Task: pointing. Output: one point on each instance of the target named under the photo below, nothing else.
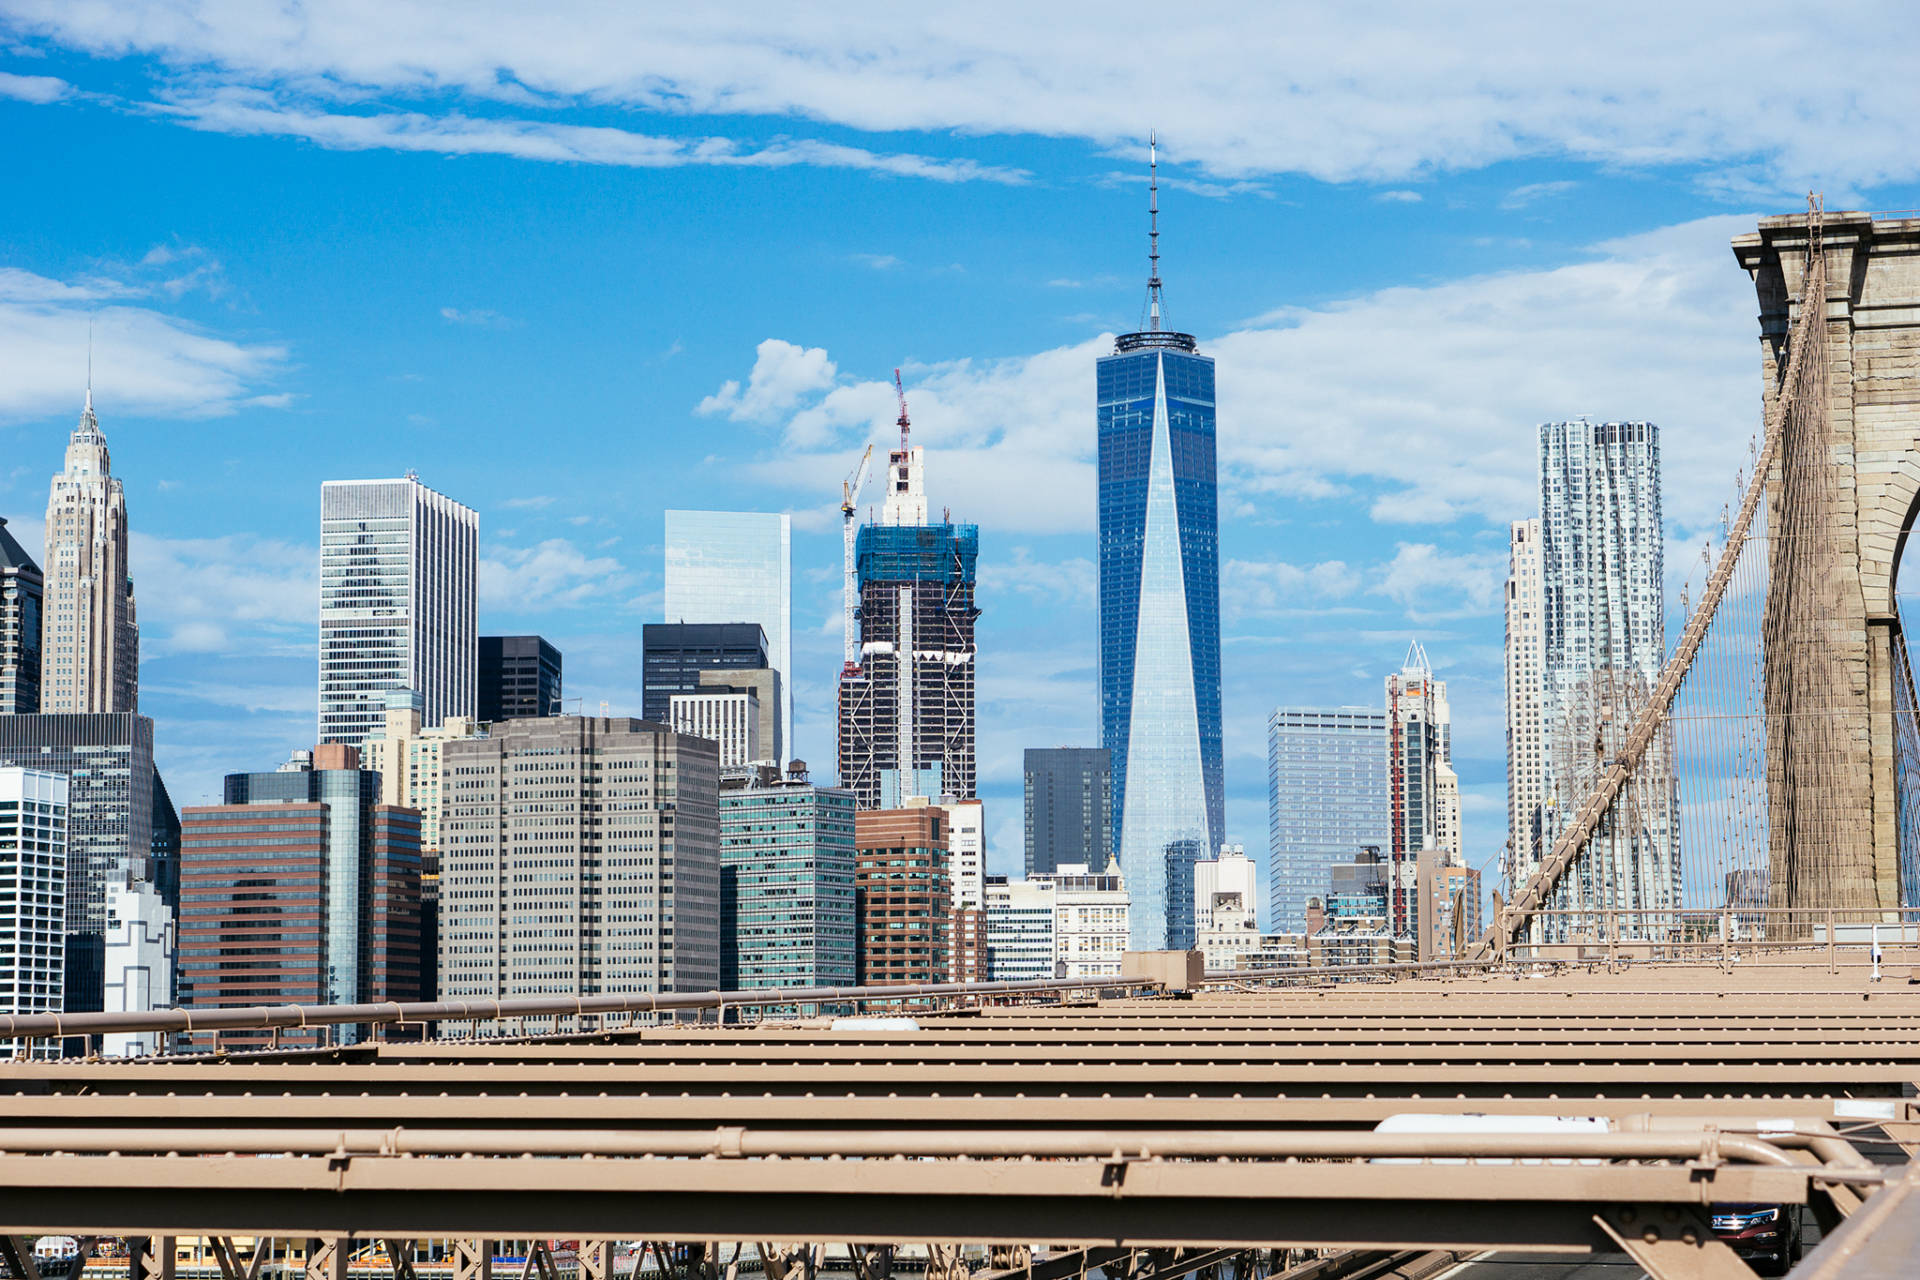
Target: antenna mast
(1153, 231)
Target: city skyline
(1364, 499)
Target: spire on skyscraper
(1153, 335)
(1417, 660)
(1153, 234)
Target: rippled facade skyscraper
(1160, 617)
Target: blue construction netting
(917, 553)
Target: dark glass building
(519, 678)
(675, 653)
(1160, 615)
(21, 593)
(1069, 808)
(108, 761)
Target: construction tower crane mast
(901, 392)
(849, 502)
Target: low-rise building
(140, 963)
(1090, 919)
(1020, 929)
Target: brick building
(903, 895)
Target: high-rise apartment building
(301, 888)
(1069, 807)
(737, 566)
(33, 908)
(519, 678)
(398, 582)
(1526, 692)
(21, 614)
(1419, 748)
(1327, 795)
(907, 707)
(786, 883)
(903, 895)
(673, 655)
(90, 635)
(1602, 564)
(579, 855)
(1160, 612)
(114, 825)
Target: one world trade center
(1160, 615)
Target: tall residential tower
(1526, 725)
(90, 656)
(1160, 611)
(398, 569)
(1423, 792)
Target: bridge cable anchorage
(1631, 774)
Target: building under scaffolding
(908, 703)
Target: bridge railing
(1844, 937)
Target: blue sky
(580, 264)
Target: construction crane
(901, 391)
(849, 501)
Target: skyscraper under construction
(906, 697)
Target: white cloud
(250, 111)
(477, 318)
(536, 502)
(1071, 582)
(1401, 196)
(33, 88)
(877, 261)
(782, 374)
(224, 595)
(551, 573)
(1432, 584)
(1377, 92)
(145, 361)
(1522, 196)
(1421, 401)
(1250, 588)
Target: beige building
(731, 720)
(90, 638)
(1089, 919)
(579, 854)
(407, 757)
(1526, 681)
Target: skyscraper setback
(1160, 611)
(906, 708)
(398, 579)
(90, 656)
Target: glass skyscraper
(1160, 617)
(399, 569)
(737, 566)
(1326, 800)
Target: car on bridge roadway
(1764, 1235)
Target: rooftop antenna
(89, 408)
(901, 392)
(1153, 230)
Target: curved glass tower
(1160, 618)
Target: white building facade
(1020, 924)
(33, 897)
(406, 755)
(141, 942)
(737, 566)
(1231, 872)
(1526, 683)
(90, 635)
(730, 719)
(967, 851)
(399, 568)
(1090, 920)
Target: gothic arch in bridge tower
(1850, 650)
